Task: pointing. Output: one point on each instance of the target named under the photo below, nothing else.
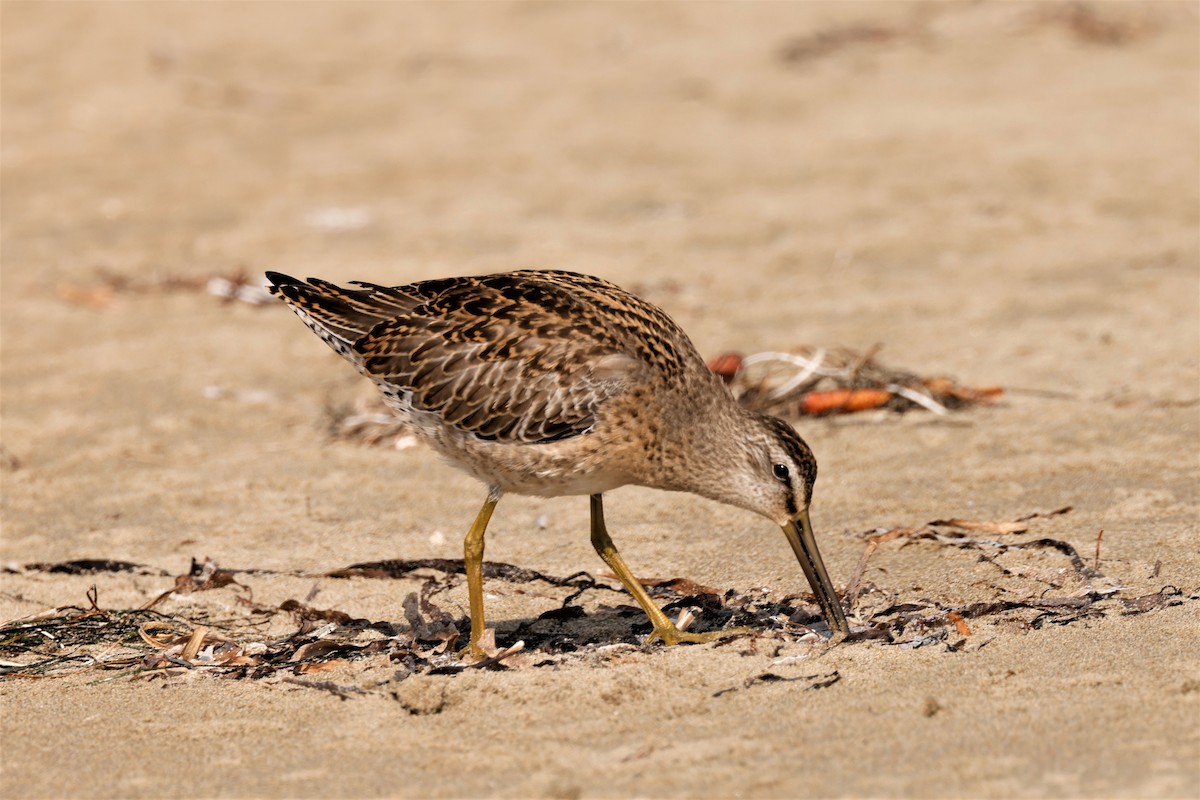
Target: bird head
(776, 480)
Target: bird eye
(781, 472)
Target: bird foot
(472, 653)
(669, 634)
(480, 648)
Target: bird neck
(707, 455)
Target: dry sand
(1006, 193)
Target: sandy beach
(1003, 193)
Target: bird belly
(558, 484)
(565, 467)
(552, 469)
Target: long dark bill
(799, 534)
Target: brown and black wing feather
(525, 356)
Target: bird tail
(339, 316)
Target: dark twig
(341, 692)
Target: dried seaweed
(341, 692)
(1163, 598)
(147, 643)
(811, 381)
(91, 566)
(66, 638)
(814, 681)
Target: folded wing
(500, 356)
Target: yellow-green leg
(473, 559)
(663, 627)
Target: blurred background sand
(1008, 193)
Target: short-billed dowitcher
(553, 383)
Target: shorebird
(554, 383)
